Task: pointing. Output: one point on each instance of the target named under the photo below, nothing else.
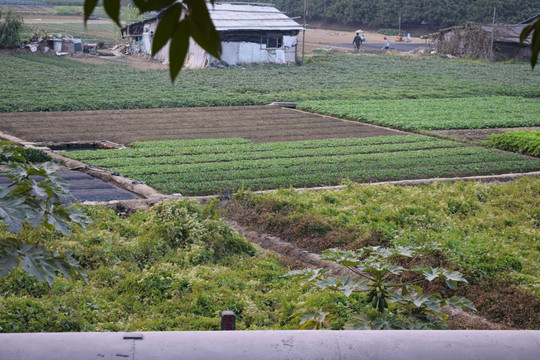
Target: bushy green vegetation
(525, 142)
(396, 301)
(488, 232)
(11, 25)
(28, 154)
(224, 166)
(435, 114)
(72, 85)
(175, 267)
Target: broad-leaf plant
(35, 196)
(393, 295)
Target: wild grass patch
(488, 232)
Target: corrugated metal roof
(230, 16)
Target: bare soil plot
(256, 123)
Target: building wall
(243, 53)
(472, 41)
(236, 52)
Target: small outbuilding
(498, 42)
(250, 34)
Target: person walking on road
(386, 43)
(357, 41)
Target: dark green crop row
(228, 167)
(319, 179)
(435, 114)
(218, 146)
(255, 152)
(72, 85)
(525, 142)
(228, 159)
(247, 169)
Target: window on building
(271, 42)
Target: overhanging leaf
(152, 5)
(535, 41)
(112, 8)
(166, 27)
(178, 48)
(201, 27)
(89, 6)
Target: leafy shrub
(34, 198)
(526, 142)
(10, 29)
(397, 301)
(30, 155)
(184, 225)
(139, 281)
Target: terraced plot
(203, 167)
(435, 114)
(256, 123)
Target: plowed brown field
(256, 123)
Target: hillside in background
(414, 13)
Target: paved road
(378, 46)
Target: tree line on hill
(432, 14)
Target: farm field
(435, 114)
(72, 85)
(525, 142)
(256, 123)
(226, 166)
(487, 231)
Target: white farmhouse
(250, 34)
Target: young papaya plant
(393, 295)
(36, 195)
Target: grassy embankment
(487, 231)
